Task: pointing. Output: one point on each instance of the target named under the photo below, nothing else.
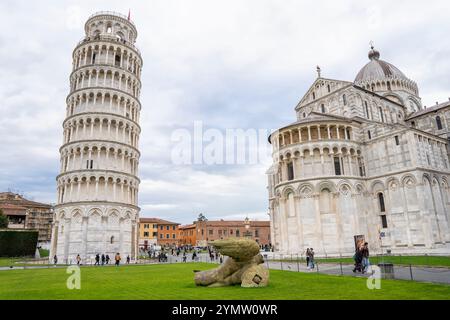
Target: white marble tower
(97, 210)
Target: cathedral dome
(378, 69)
(384, 78)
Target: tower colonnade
(97, 210)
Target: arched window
(389, 86)
(108, 29)
(112, 240)
(413, 124)
(322, 107)
(314, 95)
(337, 166)
(367, 110)
(117, 61)
(329, 89)
(344, 99)
(381, 114)
(290, 169)
(381, 202)
(439, 123)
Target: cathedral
(363, 160)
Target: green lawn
(432, 261)
(23, 261)
(175, 281)
(20, 261)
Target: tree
(201, 217)
(3, 220)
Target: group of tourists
(310, 258)
(103, 260)
(361, 258)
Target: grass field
(19, 261)
(432, 261)
(175, 281)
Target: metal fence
(398, 266)
(391, 267)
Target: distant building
(188, 234)
(168, 233)
(214, 230)
(26, 214)
(148, 232)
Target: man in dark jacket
(357, 257)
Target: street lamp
(248, 233)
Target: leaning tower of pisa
(97, 209)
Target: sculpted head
(239, 249)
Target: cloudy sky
(227, 64)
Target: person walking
(365, 257)
(103, 259)
(97, 260)
(55, 259)
(357, 257)
(184, 257)
(128, 259)
(107, 259)
(117, 258)
(194, 256)
(311, 258)
(307, 258)
(78, 259)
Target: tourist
(194, 256)
(365, 257)
(184, 257)
(117, 259)
(128, 259)
(311, 258)
(97, 260)
(78, 259)
(103, 259)
(357, 257)
(55, 259)
(307, 258)
(221, 258)
(107, 259)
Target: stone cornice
(101, 113)
(92, 42)
(92, 203)
(94, 171)
(103, 88)
(98, 140)
(100, 66)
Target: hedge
(18, 243)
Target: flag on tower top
(129, 14)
